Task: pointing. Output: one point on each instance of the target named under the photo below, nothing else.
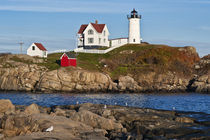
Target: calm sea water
(182, 102)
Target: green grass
(91, 61)
(133, 47)
(52, 61)
(119, 71)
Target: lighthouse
(134, 28)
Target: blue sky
(56, 22)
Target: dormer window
(33, 48)
(90, 32)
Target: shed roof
(40, 46)
(69, 55)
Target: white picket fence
(81, 50)
(57, 51)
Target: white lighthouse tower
(134, 28)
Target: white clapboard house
(93, 35)
(37, 49)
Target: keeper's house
(37, 49)
(93, 36)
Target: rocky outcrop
(78, 80)
(127, 83)
(37, 78)
(23, 77)
(201, 80)
(91, 121)
(201, 83)
(6, 106)
(96, 121)
(32, 109)
(168, 82)
(19, 76)
(18, 124)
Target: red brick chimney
(96, 22)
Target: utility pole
(21, 47)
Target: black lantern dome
(134, 11)
(134, 14)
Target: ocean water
(182, 102)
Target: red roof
(98, 27)
(40, 46)
(82, 28)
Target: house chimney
(96, 22)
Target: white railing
(57, 51)
(81, 50)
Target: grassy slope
(134, 60)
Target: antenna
(21, 47)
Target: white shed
(118, 42)
(37, 49)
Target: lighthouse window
(90, 32)
(90, 40)
(33, 48)
(134, 40)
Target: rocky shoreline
(99, 122)
(32, 77)
(36, 79)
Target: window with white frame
(90, 32)
(104, 33)
(90, 40)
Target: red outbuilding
(68, 59)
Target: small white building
(37, 49)
(93, 35)
(118, 42)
